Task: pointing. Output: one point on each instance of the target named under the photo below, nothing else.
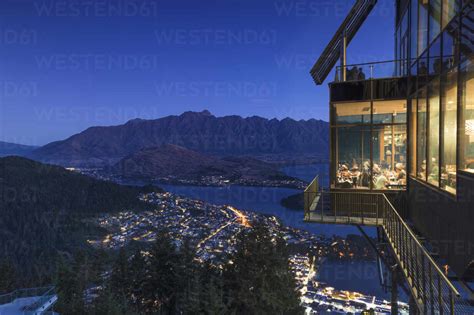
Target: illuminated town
(213, 230)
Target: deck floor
(316, 217)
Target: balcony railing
(310, 194)
(433, 292)
(42, 293)
(372, 70)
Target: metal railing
(372, 70)
(45, 297)
(43, 293)
(433, 292)
(310, 193)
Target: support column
(413, 306)
(343, 57)
(394, 295)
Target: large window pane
(449, 123)
(421, 138)
(422, 26)
(435, 18)
(433, 127)
(412, 137)
(351, 113)
(467, 32)
(389, 152)
(388, 112)
(434, 63)
(450, 47)
(450, 8)
(467, 124)
(353, 157)
(413, 29)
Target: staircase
(430, 288)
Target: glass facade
(442, 104)
(369, 139)
(369, 144)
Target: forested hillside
(44, 213)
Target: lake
(356, 276)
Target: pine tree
(160, 286)
(188, 280)
(7, 276)
(212, 297)
(119, 278)
(137, 276)
(69, 290)
(108, 304)
(259, 281)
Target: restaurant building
(402, 147)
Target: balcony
(431, 289)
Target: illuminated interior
(369, 145)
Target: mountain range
(198, 131)
(8, 148)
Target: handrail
(310, 193)
(424, 251)
(20, 293)
(431, 288)
(41, 300)
(315, 181)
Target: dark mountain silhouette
(172, 160)
(198, 131)
(45, 211)
(7, 148)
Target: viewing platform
(31, 301)
(433, 292)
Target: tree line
(167, 279)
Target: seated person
(422, 173)
(381, 181)
(433, 176)
(364, 179)
(344, 172)
(400, 174)
(355, 173)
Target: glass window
(353, 157)
(434, 63)
(467, 123)
(388, 112)
(422, 70)
(351, 113)
(413, 29)
(449, 47)
(449, 131)
(435, 18)
(389, 153)
(433, 131)
(412, 137)
(421, 138)
(467, 32)
(422, 26)
(450, 8)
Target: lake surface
(359, 276)
(265, 200)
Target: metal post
(451, 302)
(343, 56)
(440, 296)
(394, 295)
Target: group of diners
(383, 177)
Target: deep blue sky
(66, 65)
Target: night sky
(67, 65)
